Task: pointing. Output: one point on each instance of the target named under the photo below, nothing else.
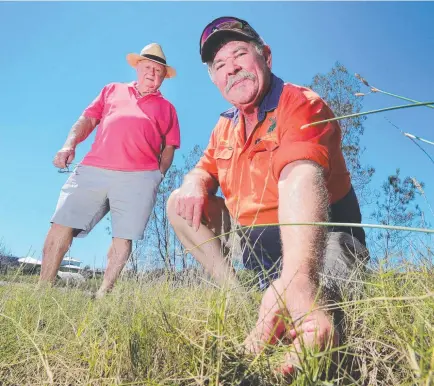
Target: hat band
(155, 58)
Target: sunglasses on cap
(226, 23)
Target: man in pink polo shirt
(137, 135)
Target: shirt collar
(133, 84)
(269, 103)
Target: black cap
(225, 29)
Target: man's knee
(171, 206)
(122, 241)
(59, 233)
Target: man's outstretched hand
(64, 157)
(290, 314)
(191, 203)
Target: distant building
(29, 260)
(30, 265)
(69, 264)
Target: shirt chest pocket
(224, 156)
(262, 181)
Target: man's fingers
(294, 357)
(70, 158)
(181, 207)
(290, 363)
(63, 158)
(310, 335)
(197, 215)
(189, 209)
(273, 320)
(256, 340)
(205, 211)
(59, 161)
(268, 330)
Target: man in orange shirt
(270, 171)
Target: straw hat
(154, 53)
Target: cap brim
(219, 37)
(133, 59)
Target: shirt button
(230, 147)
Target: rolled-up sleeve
(312, 143)
(173, 135)
(96, 107)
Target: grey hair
(259, 46)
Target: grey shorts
(343, 263)
(91, 192)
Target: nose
(232, 68)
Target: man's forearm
(80, 131)
(166, 158)
(202, 178)
(303, 197)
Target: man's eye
(240, 54)
(219, 66)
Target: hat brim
(133, 59)
(219, 37)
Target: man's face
(241, 73)
(150, 74)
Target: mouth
(239, 81)
(236, 83)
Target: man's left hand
(290, 315)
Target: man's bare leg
(57, 243)
(210, 254)
(119, 252)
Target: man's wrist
(199, 178)
(296, 280)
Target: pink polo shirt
(131, 128)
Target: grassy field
(166, 333)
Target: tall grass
(162, 332)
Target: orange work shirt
(248, 169)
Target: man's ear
(267, 56)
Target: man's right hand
(64, 157)
(191, 202)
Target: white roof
(29, 260)
(70, 266)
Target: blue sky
(55, 58)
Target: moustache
(240, 76)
